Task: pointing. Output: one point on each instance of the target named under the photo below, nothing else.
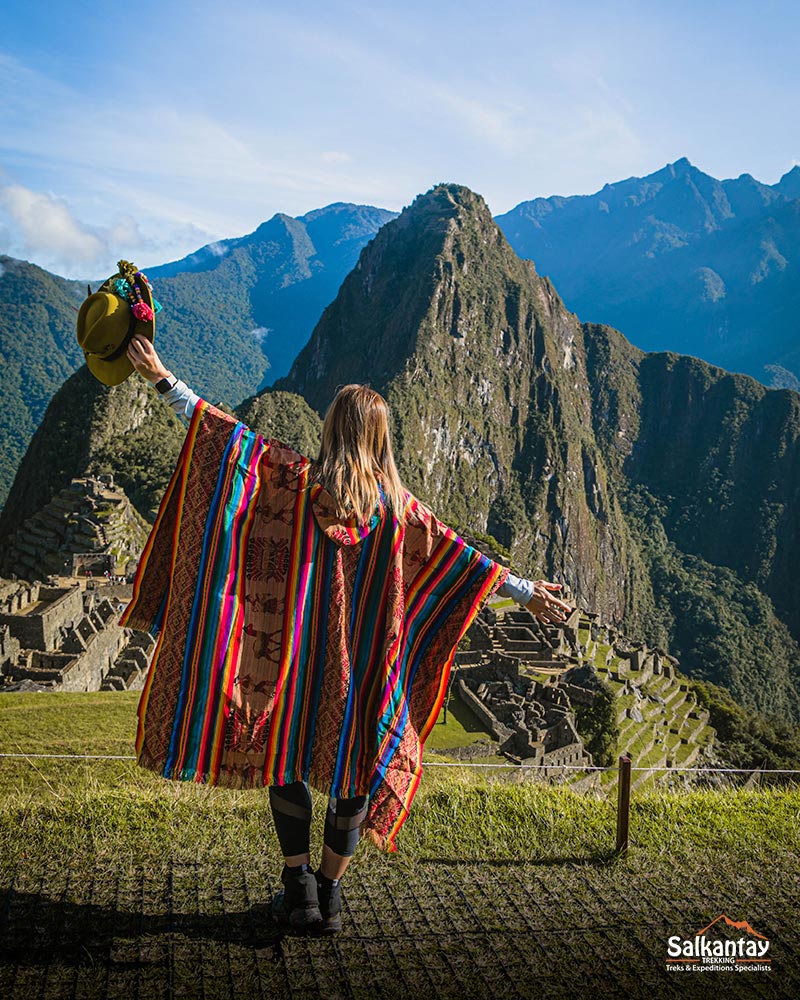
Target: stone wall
(68, 639)
(42, 625)
(531, 720)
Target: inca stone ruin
(522, 679)
(89, 527)
(67, 639)
(63, 634)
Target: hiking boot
(297, 903)
(329, 892)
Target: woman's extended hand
(546, 607)
(144, 358)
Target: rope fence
(466, 763)
(624, 767)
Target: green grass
(462, 728)
(114, 879)
(97, 808)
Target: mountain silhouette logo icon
(739, 925)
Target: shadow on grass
(37, 930)
(604, 859)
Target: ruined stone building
(67, 639)
(88, 528)
(531, 720)
(533, 717)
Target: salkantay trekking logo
(745, 953)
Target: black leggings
(291, 813)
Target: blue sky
(146, 134)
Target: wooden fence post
(623, 803)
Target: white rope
(723, 770)
(66, 756)
(433, 763)
(546, 767)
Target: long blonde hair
(356, 453)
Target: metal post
(623, 803)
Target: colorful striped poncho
(293, 645)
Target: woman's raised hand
(545, 606)
(144, 358)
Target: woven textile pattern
(294, 644)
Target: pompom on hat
(109, 318)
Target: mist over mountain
(679, 261)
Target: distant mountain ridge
(286, 272)
(679, 261)
(235, 315)
(662, 489)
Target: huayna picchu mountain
(664, 490)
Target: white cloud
(260, 334)
(43, 228)
(46, 229)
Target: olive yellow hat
(109, 318)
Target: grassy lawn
(462, 728)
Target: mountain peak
(682, 165)
(385, 302)
(789, 184)
(458, 195)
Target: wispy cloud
(371, 103)
(46, 230)
(43, 228)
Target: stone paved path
(437, 929)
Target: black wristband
(164, 385)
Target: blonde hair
(356, 453)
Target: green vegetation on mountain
(679, 261)
(37, 350)
(284, 416)
(598, 726)
(749, 739)
(90, 428)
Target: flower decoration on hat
(128, 287)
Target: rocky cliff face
(632, 477)
(486, 375)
